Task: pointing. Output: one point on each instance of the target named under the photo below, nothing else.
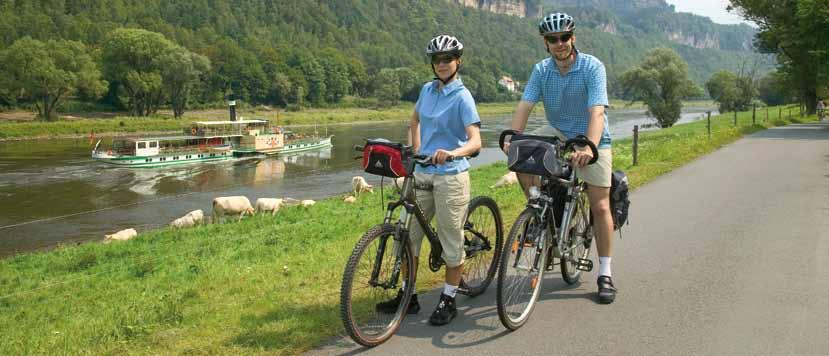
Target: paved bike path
(728, 255)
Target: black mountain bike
(374, 271)
(555, 224)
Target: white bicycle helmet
(556, 22)
(444, 44)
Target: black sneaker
(445, 311)
(390, 306)
(607, 292)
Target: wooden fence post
(779, 113)
(753, 114)
(709, 125)
(767, 114)
(635, 144)
(735, 117)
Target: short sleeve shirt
(444, 114)
(567, 99)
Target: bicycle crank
(584, 264)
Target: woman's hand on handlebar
(441, 156)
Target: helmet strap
(450, 77)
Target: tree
(181, 70)
(722, 87)
(794, 30)
(773, 89)
(387, 87)
(661, 81)
(237, 71)
(133, 60)
(47, 72)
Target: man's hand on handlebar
(581, 156)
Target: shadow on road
(810, 131)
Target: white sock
(604, 266)
(450, 290)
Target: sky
(715, 9)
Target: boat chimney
(231, 103)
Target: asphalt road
(728, 255)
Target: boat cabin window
(142, 145)
(153, 144)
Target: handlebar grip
(583, 141)
(504, 134)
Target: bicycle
(374, 270)
(537, 237)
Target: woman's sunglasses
(443, 59)
(555, 39)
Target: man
(821, 107)
(573, 87)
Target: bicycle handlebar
(578, 140)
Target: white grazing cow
(238, 205)
(508, 179)
(122, 235)
(398, 183)
(271, 205)
(359, 185)
(306, 203)
(197, 216)
(183, 222)
(350, 199)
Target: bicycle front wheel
(578, 239)
(482, 239)
(369, 279)
(521, 270)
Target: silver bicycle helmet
(556, 22)
(444, 44)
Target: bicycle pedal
(584, 265)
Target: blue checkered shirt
(567, 98)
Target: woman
(445, 124)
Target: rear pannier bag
(619, 200)
(537, 155)
(385, 158)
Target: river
(53, 193)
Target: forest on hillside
(291, 53)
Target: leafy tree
(387, 87)
(237, 71)
(47, 72)
(795, 30)
(181, 70)
(133, 60)
(661, 81)
(773, 89)
(722, 87)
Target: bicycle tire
(510, 289)
(366, 325)
(483, 218)
(579, 227)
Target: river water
(52, 192)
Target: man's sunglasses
(555, 39)
(443, 59)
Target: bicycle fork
(583, 264)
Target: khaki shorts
(448, 199)
(596, 174)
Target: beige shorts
(448, 199)
(597, 174)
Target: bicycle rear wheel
(375, 254)
(578, 240)
(482, 239)
(521, 270)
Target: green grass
(225, 289)
(136, 125)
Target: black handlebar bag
(537, 155)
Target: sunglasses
(443, 59)
(555, 39)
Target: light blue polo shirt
(444, 114)
(567, 98)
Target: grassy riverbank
(266, 285)
(165, 123)
(124, 125)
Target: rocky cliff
(519, 8)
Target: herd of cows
(239, 206)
